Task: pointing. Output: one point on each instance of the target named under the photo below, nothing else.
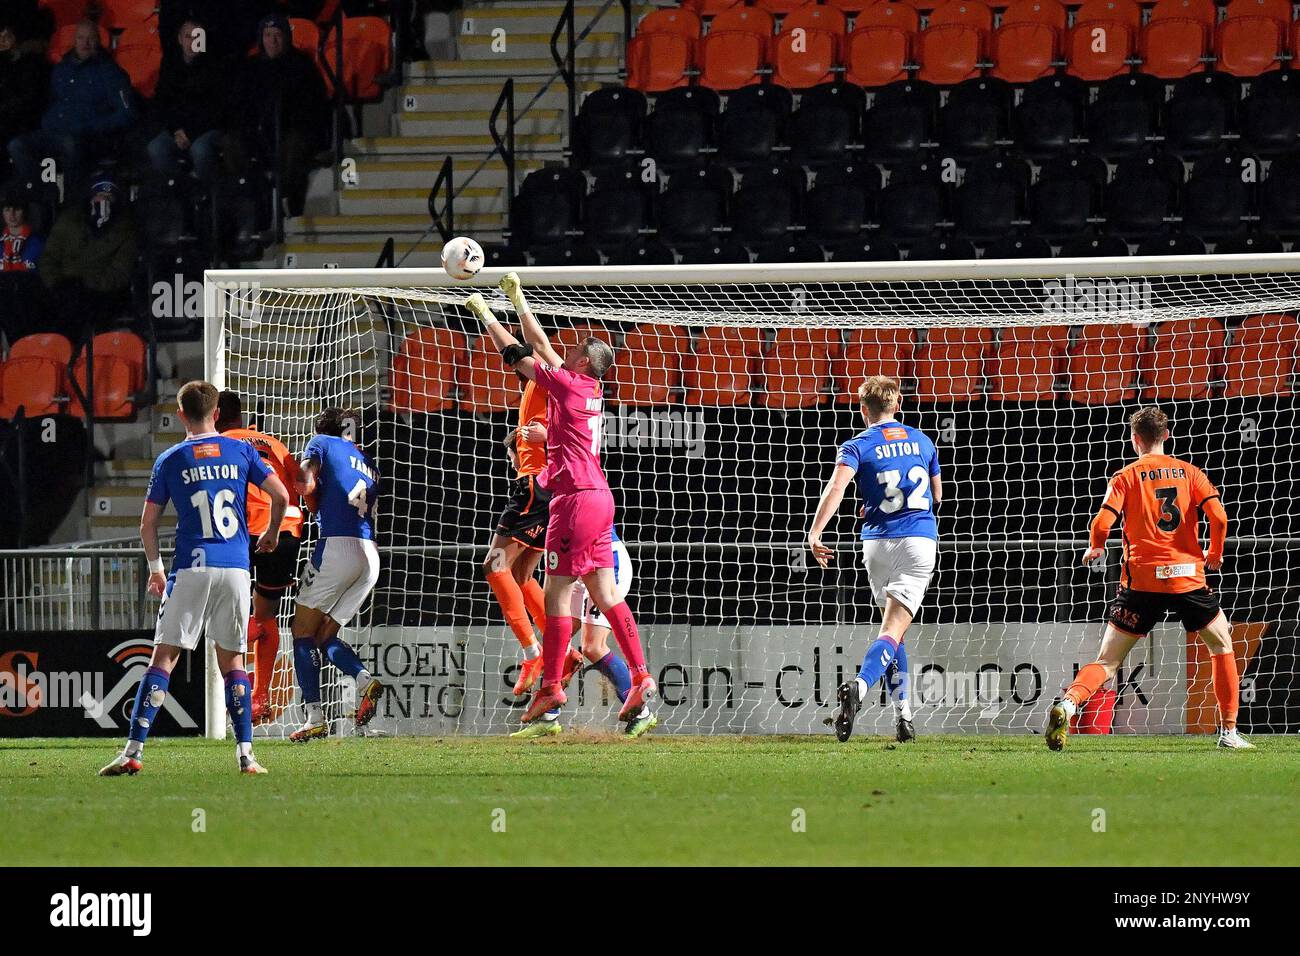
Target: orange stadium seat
(1103, 364)
(139, 52)
(779, 7)
(125, 13)
(120, 360)
(648, 369)
(366, 55)
(486, 385)
(46, 345)
(570, 335)
(1249, 46)
(36, 385)
(66, 12)
(1103, 38)
(1203, 11)
(872, 352)
(879, 49)
(1176, 38)
(741, 19)
(949, 366)
(710, 8)
(306, 37)
(951, 47)
(1279, 10)
(1026, 362)
(856, 7)
(659, 61)
(1186, 359)
(425, 370)
(1027, 44)
(970, 12)
(797, 366)
(730, 60)
(679, 21)
(63, 39)
(1262, 357)
(719, 371)
(801, 60)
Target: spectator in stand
(284, 81)
(89, 260)
(232, 24)
(91, 103)
(20, 248)
(193, 104)
(24, 81)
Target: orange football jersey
(285, 466)
(1160, 499)
(532, 410)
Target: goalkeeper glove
(514, 290)
(479, 307)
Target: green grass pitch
(661, 800)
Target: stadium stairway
(442, 109)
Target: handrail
(567, 64)
(445, 220)
(386, 255)
(506, 148)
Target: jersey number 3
(1171, 516)
(918, 500)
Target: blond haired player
(1159, 498)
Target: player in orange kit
(1160, 499)
(275, 570)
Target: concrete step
(515, 44)
(378, 173)
(119, 500)
(470, 200)
(537, 66)
(458, 144)
(123, 468)
(124, 525)
(470, 93)
(481, 19)
(476, 122)
(379, 225)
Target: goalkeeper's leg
(1217, 637)
(264, 640)
(507, 566)
(1114, 648)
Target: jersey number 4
(219, 516)
(357, 497)
(918, 500)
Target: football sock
(239, 704)
(535, 601)
(511, 599)
(1227, 688)
(874, 664)
(343, 657)
(267, 643)
(149, 697)
(623, 624)
(616, 672)
(306, 664)
(555, 645)
(1086, 683)
(896, 681)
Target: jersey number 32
(918, 500)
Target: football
(462, 258)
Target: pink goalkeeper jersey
(573, 422)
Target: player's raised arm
(534, 334)
(832, 495)
(518, 357)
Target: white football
(462, 257)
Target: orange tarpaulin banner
(1202, 710)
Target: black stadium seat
(753, 123)
(549, 205)
(974, 121)
(1217, 197)
(681, 126)
(790, 250)
(1173, 244)
(1200, 112)
(693, 205)
(901, 121)
(913, 202)
(1049, 117)
(767, 203)
(1258, 244)
(841, 201)
(1269, 117)
(608, 126)
(1068, 193)
(1279, 199)
(941, 249)
(1123, 118)
(642, 252)
(1143, 195)
(1018, 247)
(827, 120)
(1102, 246)
(990, 198)
(615, 214)
(567, 254)
(864, 250)
(727, 252)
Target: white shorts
(217, 600)
(584, 608)
(339, 577)
(900, 568)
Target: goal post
(731, 391)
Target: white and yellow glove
(479, 307)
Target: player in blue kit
(897, 471)
(206, 477)
(341, 484)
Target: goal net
(732, 388)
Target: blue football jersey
(206, 479)
(893, 464)
(347, 486)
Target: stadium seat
(1143, 195)
(426, 370)
(710, 8)
(1018, 247)
(801, 60)
(1255, 244)
(121, 364)
(871, 351)
(912, 203)
(719, 370)
(549, 205)
(734, 50)
(1107, 246)
(841, 201)
(767, 203)
(827, 121)
(34, 376)
(797, 367)
(1049, 115)
(648, 370)
(680, 21)
(1172, 244)
(1277, 10)
(949, 53)
(63, 38)
(366, 56)
(991, 198)
(1185, 360)
(609, 126)
(789, 250)
(1249, 45)
(681, 125)
(65, 12)
(934, 249)
(120, 14)
(780, 7)
(1027, 43)
(306, 38)
(859, 7)
(864, 250)
(1217, 199)
(1279, 197)
(139, 53)
(901, 121)
(949, 365)
(1176, 39)
(1261, 359)
(753, 122)
(44, 345)
(975, 119)
(642, 251)
(615, 215)
(659, 61)
(1067, 195)
(1102, 39)
(1026, 362)
(1103, 364)
(1269, 118)
(486, 385)
(879, 49)
(1123, 118)
(693, 205)
(726, 252)
(1200, 112)
(568, 336)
